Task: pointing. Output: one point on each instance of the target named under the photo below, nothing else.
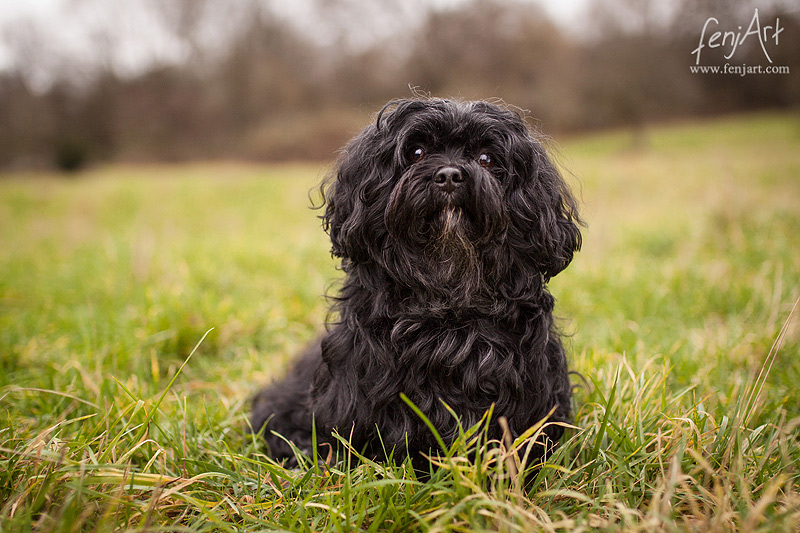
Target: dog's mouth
(449, 218)
(451, 232)
(451, 252)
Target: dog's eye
(485, 160)
(416, 153)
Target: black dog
(449, 220)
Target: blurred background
(88, 81)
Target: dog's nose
(448, 178)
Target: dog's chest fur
(465, 359)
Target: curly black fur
(449, 220)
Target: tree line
(246, 83)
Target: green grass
(109, 281)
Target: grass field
(687, 417)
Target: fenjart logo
(712, 37)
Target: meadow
(140, 307)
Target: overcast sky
(136, 36)
(11, 9)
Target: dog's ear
(355, 192)
(344, 194)
(545, 217)
(352, 190)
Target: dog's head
(441, 192)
